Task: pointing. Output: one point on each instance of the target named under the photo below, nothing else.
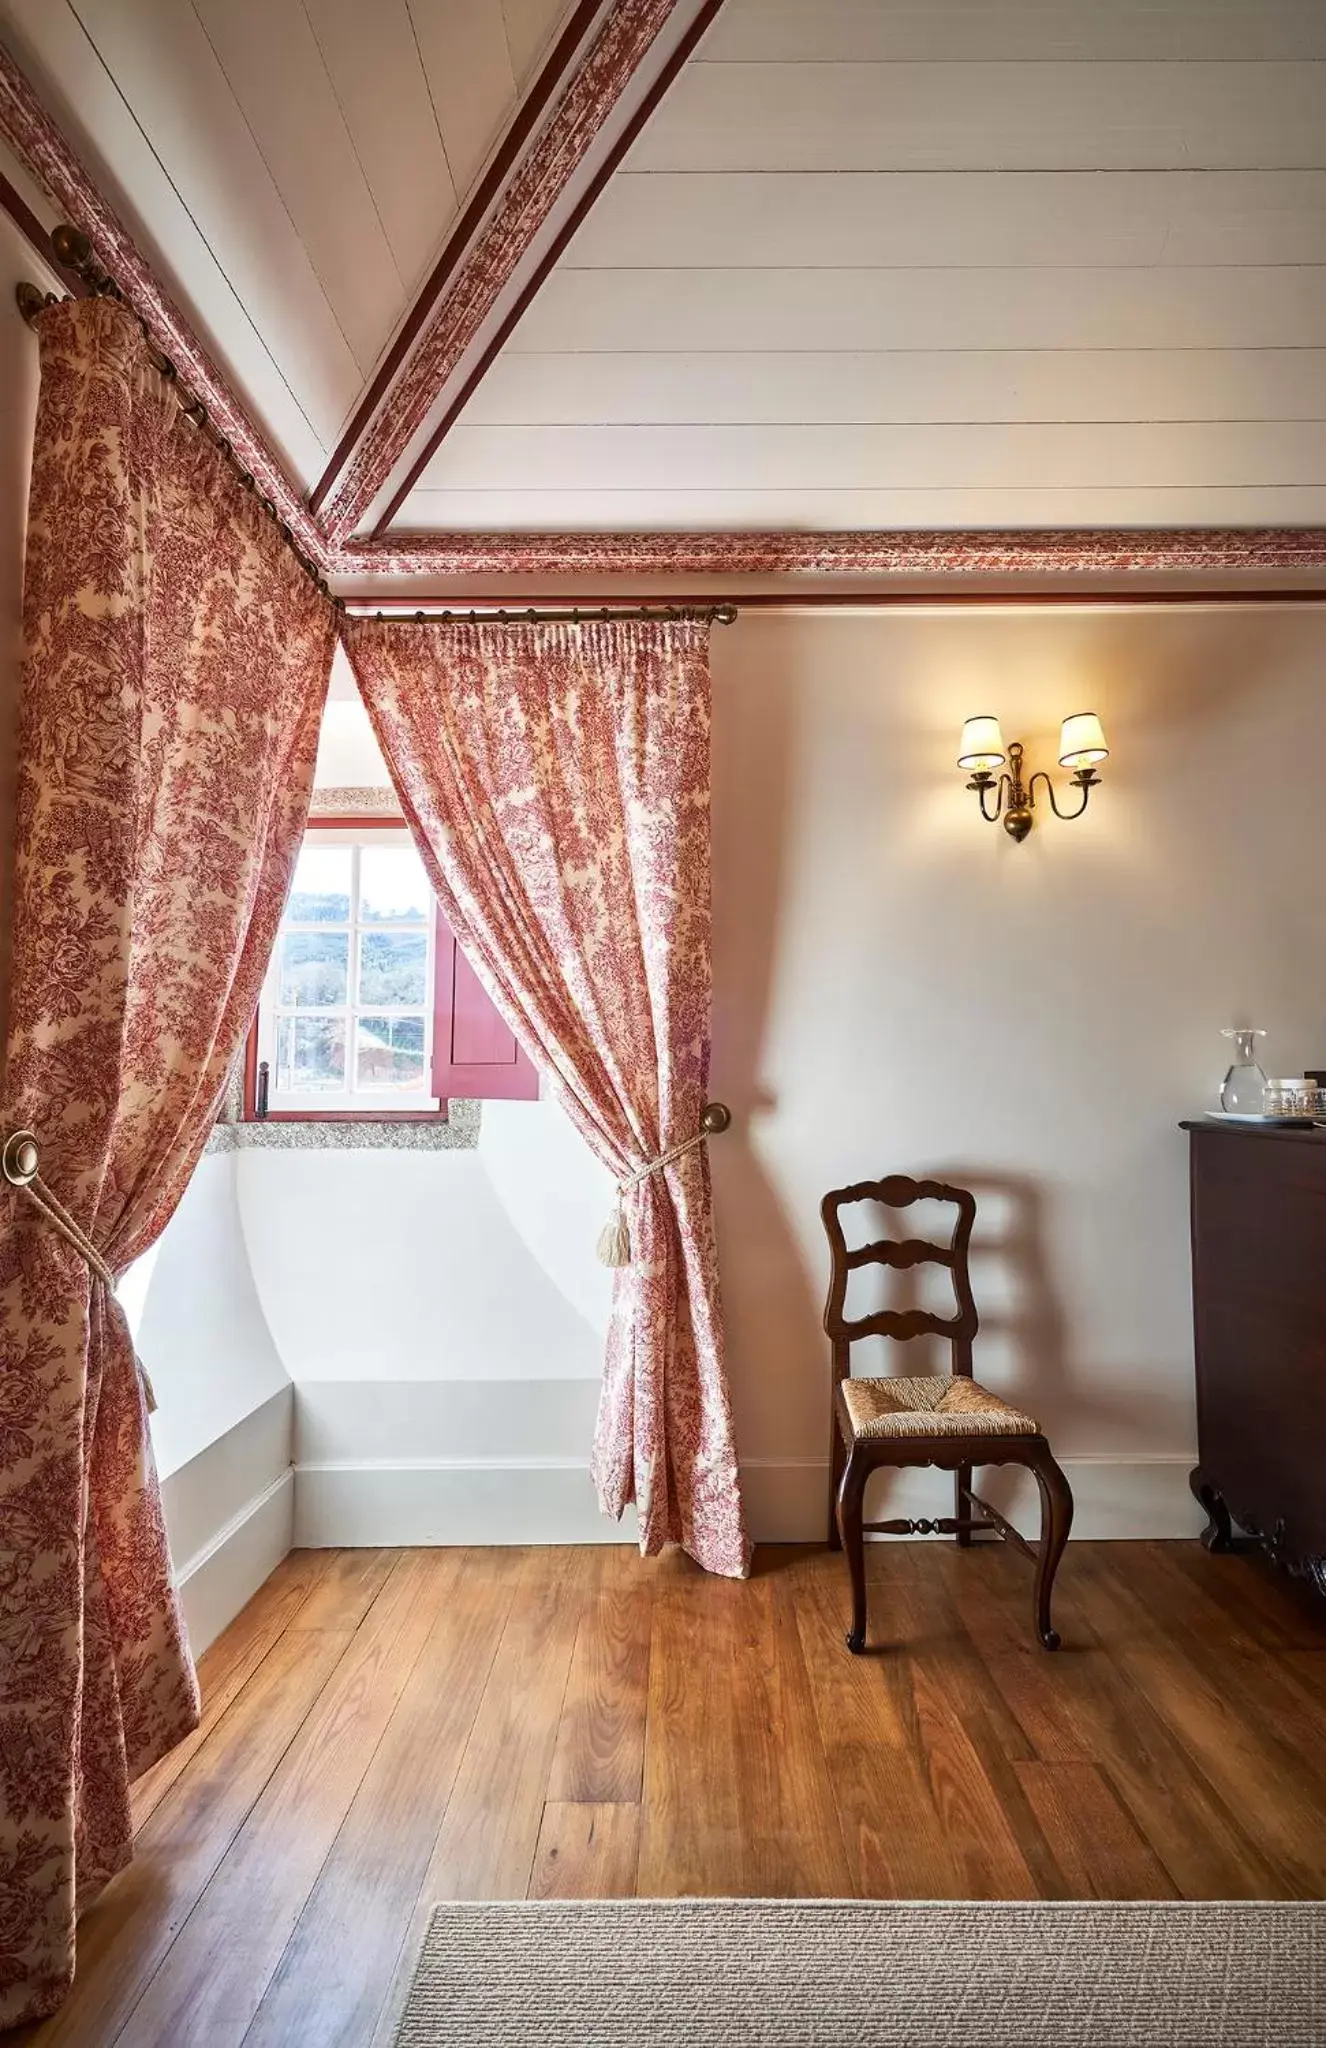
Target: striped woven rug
(766, 1973)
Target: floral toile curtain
(177, 658)
(557, 781)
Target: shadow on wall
(776, 1348)
(1024, 1350)
(855, 893)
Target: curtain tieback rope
(20, 1162)
(615, 1238)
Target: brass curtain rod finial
(72, 249)
(73, 252)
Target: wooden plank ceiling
(870, 263)
(879, 264)
(294, 165)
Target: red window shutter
(474, 1053)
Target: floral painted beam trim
(534, 190)
(47, 154)
(973, 551)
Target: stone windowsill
(458, 1131)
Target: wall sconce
(1081, 746)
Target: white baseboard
(223, 1576)
(461, 1500)
(505, 1501)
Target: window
(370, 1008)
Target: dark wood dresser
(1259, 1314)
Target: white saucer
(1259, 1116)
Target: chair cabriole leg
(851, 1493)
(837, 1460)
(1056, 1521)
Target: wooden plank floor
(387, 1728)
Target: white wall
(432, 1265)
(443, 1315)
(223, 1428)
(901, 988)
(201, 1331)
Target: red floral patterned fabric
(177, 660)
(557, 781)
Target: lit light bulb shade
(1081, 741)
(982, 745)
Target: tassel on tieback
(614, 1247)
(615, 1238)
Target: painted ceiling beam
(946, 551)
(552, 77)
(550, 257)
(535, 188)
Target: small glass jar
(1293, 1096)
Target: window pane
(390, 1052)
(321, 891)
(315, 967)
(310, 1054)
(392, 968)
(392, 885)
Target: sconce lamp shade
(1081, 741)
(982, 745)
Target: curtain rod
(539, 615)
(725, 610)
(73, 252)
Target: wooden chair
(945, 1419)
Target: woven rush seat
(940, 1404)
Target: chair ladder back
(899, 1191)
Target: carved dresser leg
(1218, 1533)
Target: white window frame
(367, 1101)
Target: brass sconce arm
(982, 782)
(1085, 779)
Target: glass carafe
(1243, 1090)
